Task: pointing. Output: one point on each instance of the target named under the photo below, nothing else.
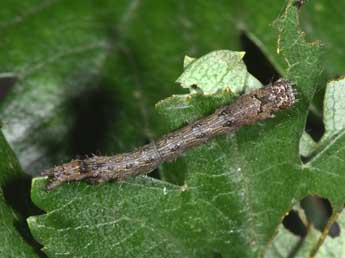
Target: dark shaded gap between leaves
(318, 211)
(314, 126)
(90, 115)
(257, 63)
(17, 196)
(217, 255)
(155, 174)
(7, 82)
(94, 111)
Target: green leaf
(12, 243)
(237, 187)
(218, 70)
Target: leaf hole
(314, 126)
(294, 224)
(318, 211)
(256, 61)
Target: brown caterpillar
(247, 109)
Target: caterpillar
(247, 109)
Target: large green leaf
(236, 191)
(12, 243)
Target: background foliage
(83, 77)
